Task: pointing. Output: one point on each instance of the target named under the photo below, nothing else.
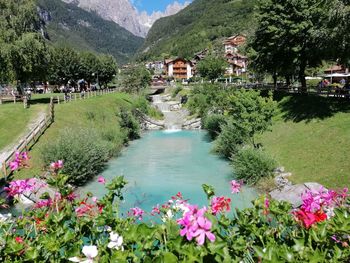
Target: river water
(163, 163)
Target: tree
(108, 69)
(89, 66)
(211, 67)
(65, 65)
(29, 58)
(136, 79)
(291, 36)
(251, 113)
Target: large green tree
(65, 65)
(292, 35)
(211, 67)
(108, 69)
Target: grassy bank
(99, 113)
(14, 120)
(311, 139)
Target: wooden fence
(34, 135)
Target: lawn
(14, 120)
(98, 112)
(311, 139)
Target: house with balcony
(231, 44)
(179, 68)
(237, 62)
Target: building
(231, 44)
(237, 62)
(179, 68)
(337, 69)
(157, 66)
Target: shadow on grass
(306, 107)
(39, 101)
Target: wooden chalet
(231, 44)
(179, 68)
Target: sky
(153, 5)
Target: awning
(337, 75)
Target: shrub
(129, 124)
(213, 124)
(229, 141)
(253, 164)
(84, 153)
(176, 91)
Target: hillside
(67, 24)
(197, 26)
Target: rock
(314, 186)
(5, 217)
(291, 194)
(279, 170)
(281, 182)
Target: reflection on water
(163, 163)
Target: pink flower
(25, 156)
(57, 165)
(155, 210)
(101, 180)
(71, 197)
(203, 231)
(235, 187)
(43, 203)
(14, 165)
(267, 203)
(94, 199)
(220, 204)
(196, 225)
(137, 212)
(20, 186)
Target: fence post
(58, 99)
(4, 169)
(52, 110)
(25, 102)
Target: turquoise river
(163, 163)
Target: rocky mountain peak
(125, 14)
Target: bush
(253, 164)
(176, 91)
(84, 153)
(213, 124)
(229, 141)
(129, 124)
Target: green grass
(98, 112)
(14, 120)
(311, 139)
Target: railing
(34, 135)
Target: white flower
(90, 252)
(116, 241)
(169, 215)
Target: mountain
(125, 14)
(198, 26)
(147, 20)
(67, 24)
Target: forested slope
(72, 26)
(197, 27)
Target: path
(31, 125)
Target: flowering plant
(65, 227)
